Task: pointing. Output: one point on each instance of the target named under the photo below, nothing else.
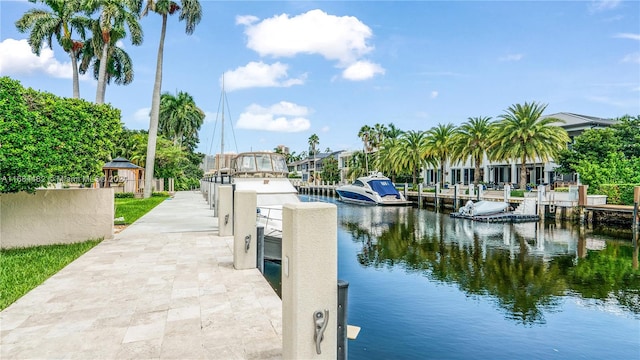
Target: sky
(296, 68)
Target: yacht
(375, 189)
(266, 173)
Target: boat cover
(384, 188)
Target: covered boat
(482, 207)
(374, 189)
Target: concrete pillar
(436, 194)
(225, 210)
(472, 190)
(210, 191)
(480, 192)
(309, 279)
(244, 228)
(419, 196)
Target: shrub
(123, 195)
(517, 193)
(621, 194)
(160, 193)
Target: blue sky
(297, 68)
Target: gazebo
(120, 172)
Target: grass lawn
(23, 269)
(132, 209)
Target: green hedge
(123, 195)
(620, 194)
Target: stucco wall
(55, 216)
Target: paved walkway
(165, 287)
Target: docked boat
(482, 208)
(266, 173)
(375, 189)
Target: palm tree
(471, 140)
(61, 22)
(114, 16)
(522, 134)
(191, 13)
(386, 160)
(413, 153)
(313, 143)
(392, 132)
(119, 66)
(357, 164)
(365, 135)
(439, 144)
(377, 135)
(180, 118)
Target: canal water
(425, 286)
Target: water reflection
(527, 268)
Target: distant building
(308, 168)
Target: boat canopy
(384, 188)
(264, 163)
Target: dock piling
(244, 237)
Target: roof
(572, 120)
(120, 163)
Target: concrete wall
(55, 216)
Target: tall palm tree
(180, 118)
(63, 19)
(413, 153)
(114, 15)
(119, 66)
(313, 143)
(378, 135)
(471, 140)
(386, 159)
(191, 13)
(439, 144)
(522, 134)
(365, 135)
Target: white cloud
(142, 115)
(336, 38)
(259, 74)
(512, 57)
(362, 70)
(434, 94)
(281, 117)
(632, 58)
(602, 5)
(627, 36)
(16, 58)
(325, 129)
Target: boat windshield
(265, 163)
(384, 188)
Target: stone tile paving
(164, 288)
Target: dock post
(472, 190)
(435, 198)
(541, 196)
(420, 196)
(480, 192)
(343, 295)
(309, 281)
(507, 193)
(225, 210)
(260, 248)
(406, 187)
(636, 205)
(244, 237)
(456, 188)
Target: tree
(119, 66)
(114, 16)
(439, 141)
(191, 13)
(63, 19)
(330, 171)
(180, 118)
(413, 153)
(47, 139)
(365, 135)
(392, 132)
(387, 160)
(313, 141)
(523, 135)
(471, 140)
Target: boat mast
(222, 136)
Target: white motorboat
(482, 207)
(266, 173)
(375, 189)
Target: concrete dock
(163, 288)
